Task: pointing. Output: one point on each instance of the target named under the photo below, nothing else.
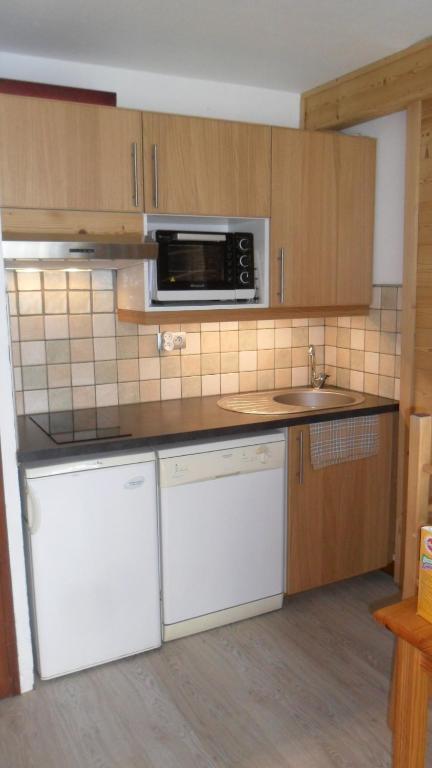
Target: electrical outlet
(170, 340)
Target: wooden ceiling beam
(386, 86)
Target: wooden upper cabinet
(322, 219)
(207, 167)
(64, 155)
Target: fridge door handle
(32, 516)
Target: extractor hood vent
(60, 255)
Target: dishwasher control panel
(194, 468)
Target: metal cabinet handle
(32, 513)
(282, 275)
(300, 441)
(134, 155)
(155, 176)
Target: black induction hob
(80, 426)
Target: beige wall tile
(59, 375)
(282, 359)
(58, 351)
(170, 368)
(229, 341)
(150, 390)
(79, 303)
(343, 357)
(231, 325)
(193, 344)
(36, 401)
(285, 323)
(265, 380)
(376, 297)
(14, 328)
(106, 394)
(191, 327)
(18, 383)
(79, 280)
(210, 384)
(287, 337)
(60, 399)
(83, 397)
(357, 339)
(82, 374)
(330, 356)
(266, 358)
(191, 386)
(371, 383)
(330, 336)
(229, 362)
(247, 340)
(19, 403)
(55, 302)
(283, 377)
(80, 326)
(191, 365)
(149, 368)
(316, 335)
(81, 350)
(300, 357)
(248, 361)
(128, 392)
(386, 386)
(389, 297)
(128, 370)
(127, 347)
(373, 320)
(297, 322)
(16, 353)
(248, 381)
(343, 338)
(357, 360)
(344, 322)
(300, 376)
(230, 382)
(210, 342)
(357, 381)
(247, 325)
(102, 280)
(265, 338)
(31, 328)
(387, 365)
(13, 304)
(372, 363)
(103, 325)
(358, 321)
(397, 389)
(105, 348)
(103, 301)
(343, 378)
(28, 281)
(388, 320)
(56, 327)
(387, 343)
(372, 341)
(33, 353)
(263, 324)
(210, 363)
(148, 346)
(205, 327)
(125, 329)
(33, 377)
(29, 303)
(106, 371)
(145, 330)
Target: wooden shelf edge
(223, 315)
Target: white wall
(8, 445)
(390, 133)
(161, 93)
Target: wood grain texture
(9, 679)
(411, 708)
(383, 87)
(31, 224)
(221, 315)
(207, 167)
(64, 155)
(322, 217)
(341, 519)
(408, 325)
(58, 92)
(417, 510)
(304, 687)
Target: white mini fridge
(93, 557)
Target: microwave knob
(244, 261)
(244, 278)
(243, 244)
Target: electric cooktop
(79, 426)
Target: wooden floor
(305, 687)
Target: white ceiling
(284, 44)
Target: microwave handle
(282, 275)
(155, 176)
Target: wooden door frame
(398, 82)
(9, 684)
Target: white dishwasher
(222, 531)
(94, 560)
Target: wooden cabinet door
(322, 219)
(340, 518)
(206, 167)
(64, 155)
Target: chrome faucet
(317, 379)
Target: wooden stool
(411, 685)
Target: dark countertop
(167, 421)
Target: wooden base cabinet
(70, 156)
(341, 519)
(323, 188)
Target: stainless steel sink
(295, 400)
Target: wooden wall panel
(423, 336)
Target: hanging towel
(333, 442)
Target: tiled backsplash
(69, 350)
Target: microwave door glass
(192, 266)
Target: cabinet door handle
(300, 475)
(155, 176)
(135, 174)
(282, 275)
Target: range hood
(25, 254)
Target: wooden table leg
(410, 708)
(392, 694)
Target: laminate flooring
(304, 687)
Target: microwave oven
(203, 267)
